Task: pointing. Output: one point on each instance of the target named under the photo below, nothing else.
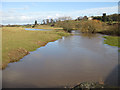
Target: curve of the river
(65, 62)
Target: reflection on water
(112, 78)
(65, 62)
(87, 35)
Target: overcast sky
(28, 12)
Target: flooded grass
(112, 40)
(18, 42)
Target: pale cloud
(26, 7)
(28, 18)
(18, 20)
(97, 11)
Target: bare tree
(43, 21)
(47, 20)
(51, 21)
(64, 18)
(85, 18)
(79, 18)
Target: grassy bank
(47, 27)
(18, 42)
(43, 27)
(112, 40)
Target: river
(65, 62)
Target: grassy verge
(44, 27)
(112, 40)
(18, 42)
(47, 27)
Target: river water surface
(65, 62)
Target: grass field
(43, 27)
(47, 27)
(112, 40)
(17, 42)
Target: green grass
(44, 27)
(17, 42)
(112, 40)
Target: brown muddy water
(65, 62)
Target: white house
(90, 18)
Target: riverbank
(112, 40)
(57, 58)
(18, 42)
(47, 27)
(43, 27)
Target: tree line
(103, 18)
(107, 18)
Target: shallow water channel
(65, 62)
(33, 29)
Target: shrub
(67, 26)
(112, 30)
(91, 26)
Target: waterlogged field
(18, 42)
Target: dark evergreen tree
(104, 18)
(35, 22)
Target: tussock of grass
(112, 40)
(18, 42)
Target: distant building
(90, 18)
(79, 18)
(84, 18)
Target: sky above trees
(28, 12)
